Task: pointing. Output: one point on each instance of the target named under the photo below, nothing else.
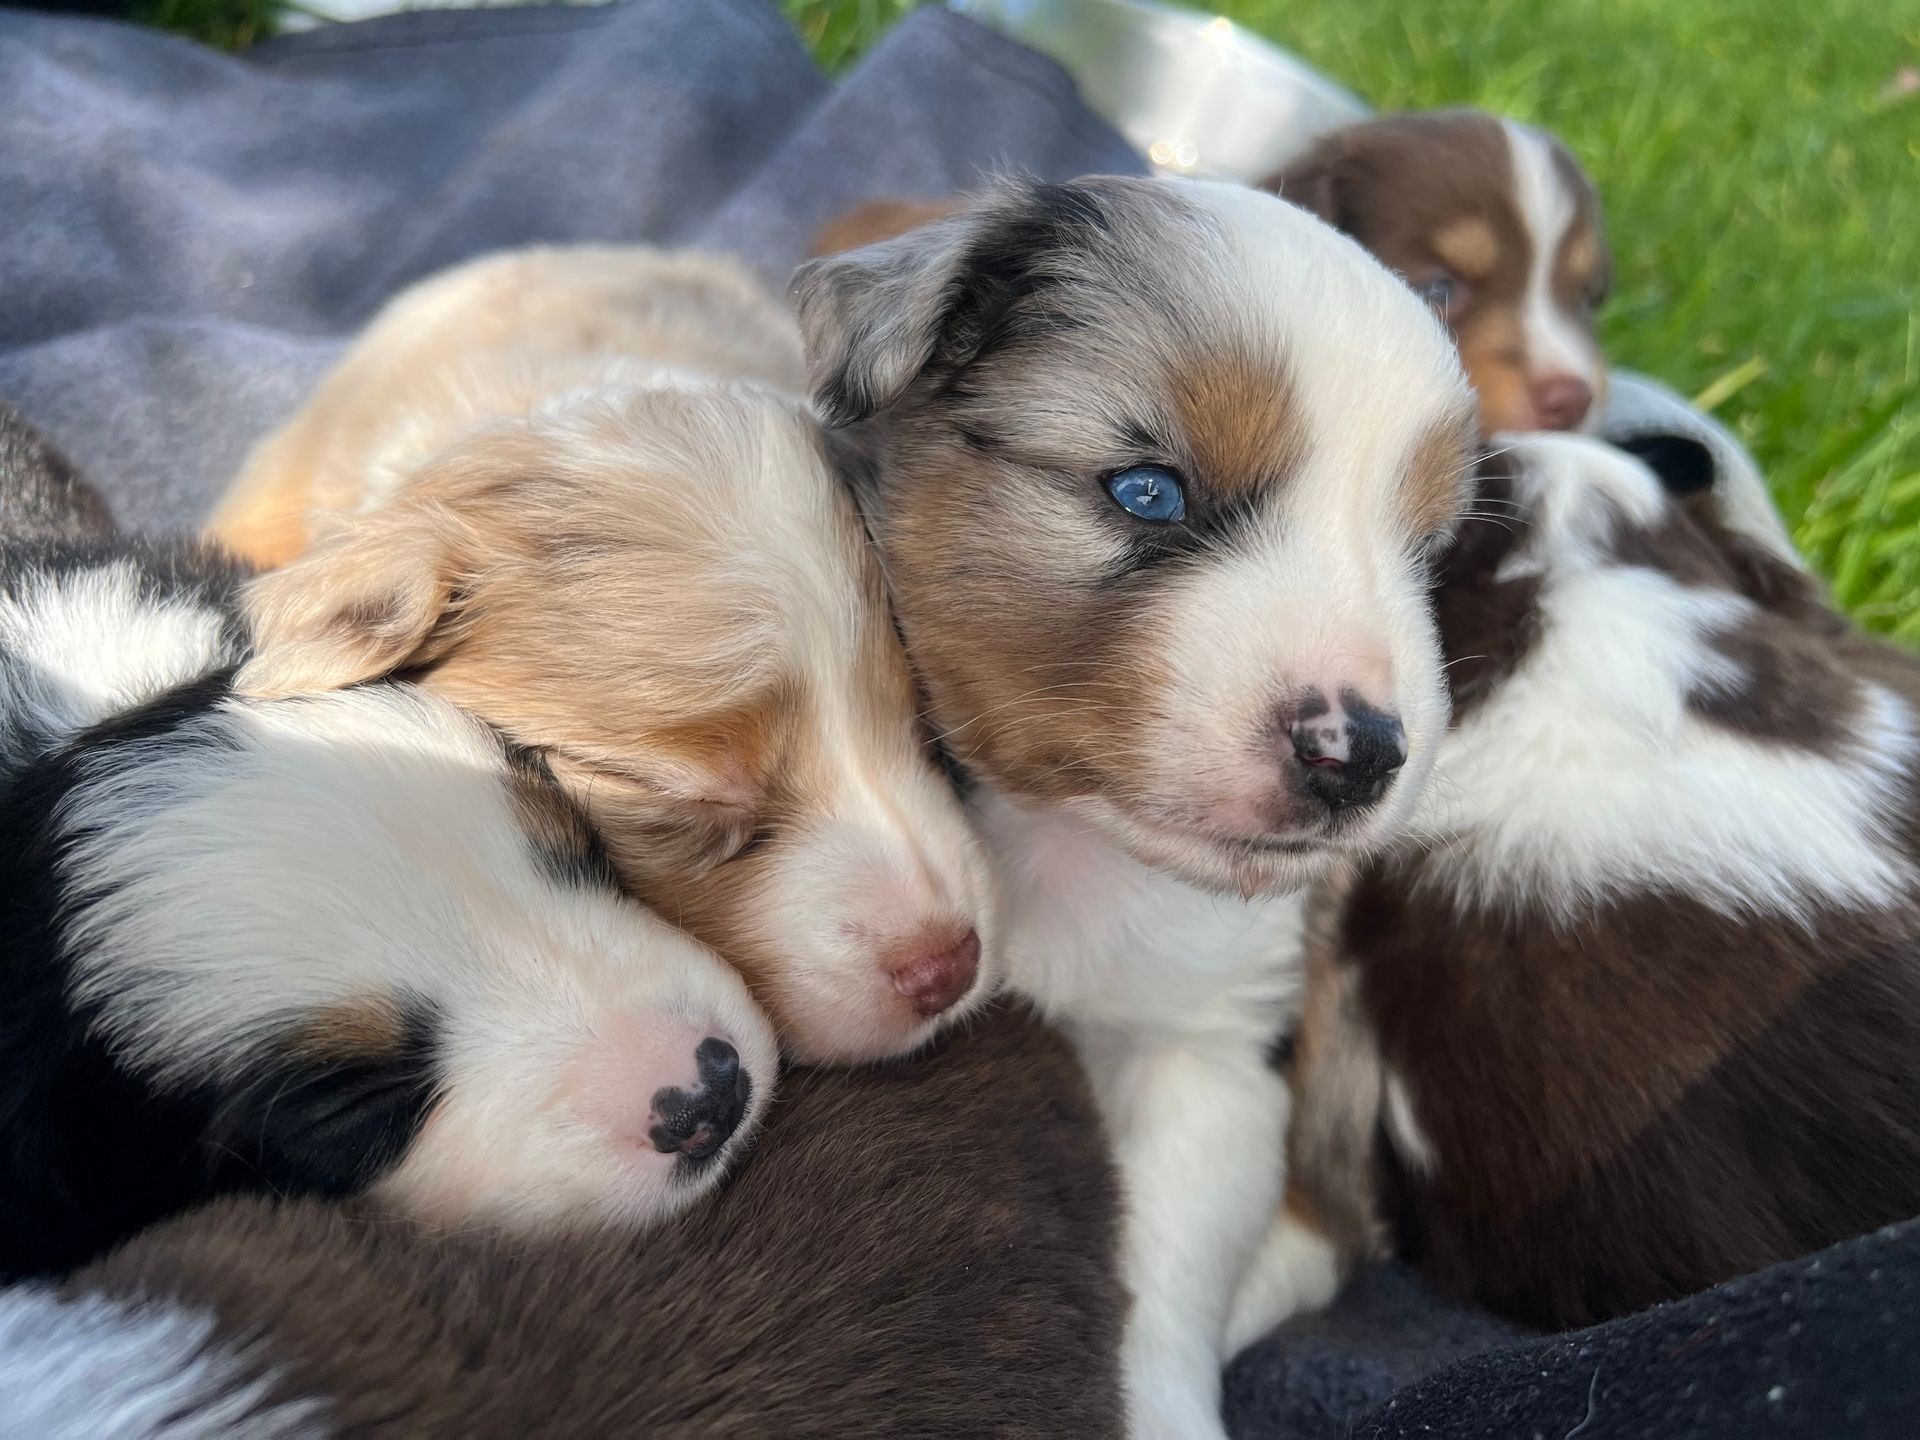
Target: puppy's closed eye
(671, 824)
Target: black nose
(1350, 751)
(694, 1124)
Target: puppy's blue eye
(1437, 292)
(1152, 492)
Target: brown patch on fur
(1488, 625)
(1433, 194)
(371, 1029)
(1792, 691)
(877, 220)
(923, 1249)
(1242, 421)
(1439, 477)
(1582, 268)
(1652, 1096)
(1647, 1104)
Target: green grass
(1762, 177)
(1762, 180)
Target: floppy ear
(1311, 181)
(871, 317)
(365, 601)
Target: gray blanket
(186, 239)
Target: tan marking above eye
(1467, 247)
(1437, 473)
(371, 1028)
(1239, 420)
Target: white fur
(1116, 923)
(362, 846)
(1586, 776)
(1555, 345)
(90, 1368)
(1297, 1269)
(1403, 1126)
(80, 646)
(1172, 995)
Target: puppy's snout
(1349, 751)
(1560, 402)
(936, 969)
(695, 1123)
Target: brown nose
(936, 973)
(1561, 402)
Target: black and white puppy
(348, 943)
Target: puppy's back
(920, 1249)
(493, 339)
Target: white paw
(1296, 1269)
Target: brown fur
(1432, 193)
(1653, 1095)
(361, 1030)
(922, 1250)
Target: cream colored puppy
(577, 493)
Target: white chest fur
(1098, 940)
(1174, 996)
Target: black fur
(40, 493)
(1684, 465)
(93, 1151)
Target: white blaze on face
(1321, 590)
(1556, 344)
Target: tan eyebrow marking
(1467, 247)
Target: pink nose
(936, 969)
(1561, 402)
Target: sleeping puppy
(359, 942)
(923, 1249)
(576, 492)
(1649, 1012)
(1156, 469)
(1495, 224)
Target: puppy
(1496, 225)
(921, 1249)
(1649, 1011)
(358, 942)
(1156, 469)
(585, 507)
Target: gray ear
(871, 317)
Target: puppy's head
(666, 593)
(362, 948)
(1156, 468)
(1499, 228)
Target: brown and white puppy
(579, 496)
(921, 1249)
(1648, 1000)
(1156, 468)
(1499, 228)
(354, 942)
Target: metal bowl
(1195, 93)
